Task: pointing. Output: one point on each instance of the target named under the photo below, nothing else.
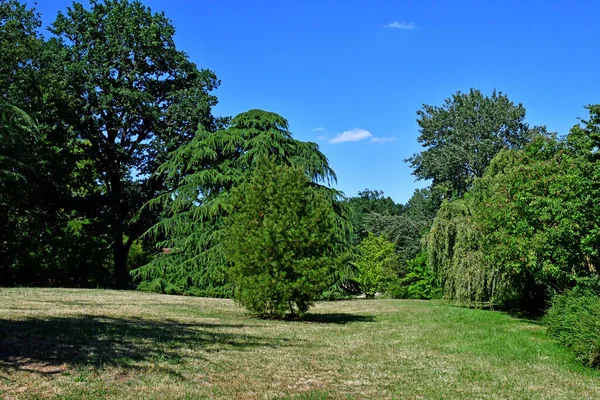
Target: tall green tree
(528, 228)
(36, 157)
(20, 44)
(132, 97)
(282, 238)
(423, 205)
(202, 174)
(463, 135)
(402, 230)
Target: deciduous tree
(463, 135)
(133, 97)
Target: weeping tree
(528, 228)
(202, 174)
(456, 258)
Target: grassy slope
(107, 344)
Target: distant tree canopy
(463, 135)
(202, 174)
(376, 264)
(403, 225)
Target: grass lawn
(95, 344)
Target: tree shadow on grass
(534, 316)
(336, 318)
(49, 345)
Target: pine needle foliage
(201, 175)
(282, 240)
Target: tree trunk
(120, 249)
(120, 264)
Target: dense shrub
(419, 280)
(574, 319)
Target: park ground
(97, 344)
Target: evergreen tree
(281, 238)
(202, 174)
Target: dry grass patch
(96, 344)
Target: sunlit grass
(95, 344)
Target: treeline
(524, 233)
(114, 172)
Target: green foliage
(138, 256)
(202, 174)
(342, 284)
(525, 208)
(133, 96)
(403, 225)
(402, 230)
(43, 244)
(281, 239)
(21, 47)
(366, 203)
(574, 320)
(463, 135)
(423, 205)
(376, 263)
(455, 256)
(419, 280)
(527, 228)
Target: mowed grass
(96, 344)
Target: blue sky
(364, 68)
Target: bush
(574, 319)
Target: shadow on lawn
(336, 318)
(49, 345)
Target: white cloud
(382, 139)
(353, 135)
(319, 129)
(401, 25)
(324, 137)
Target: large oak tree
(132, 97)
